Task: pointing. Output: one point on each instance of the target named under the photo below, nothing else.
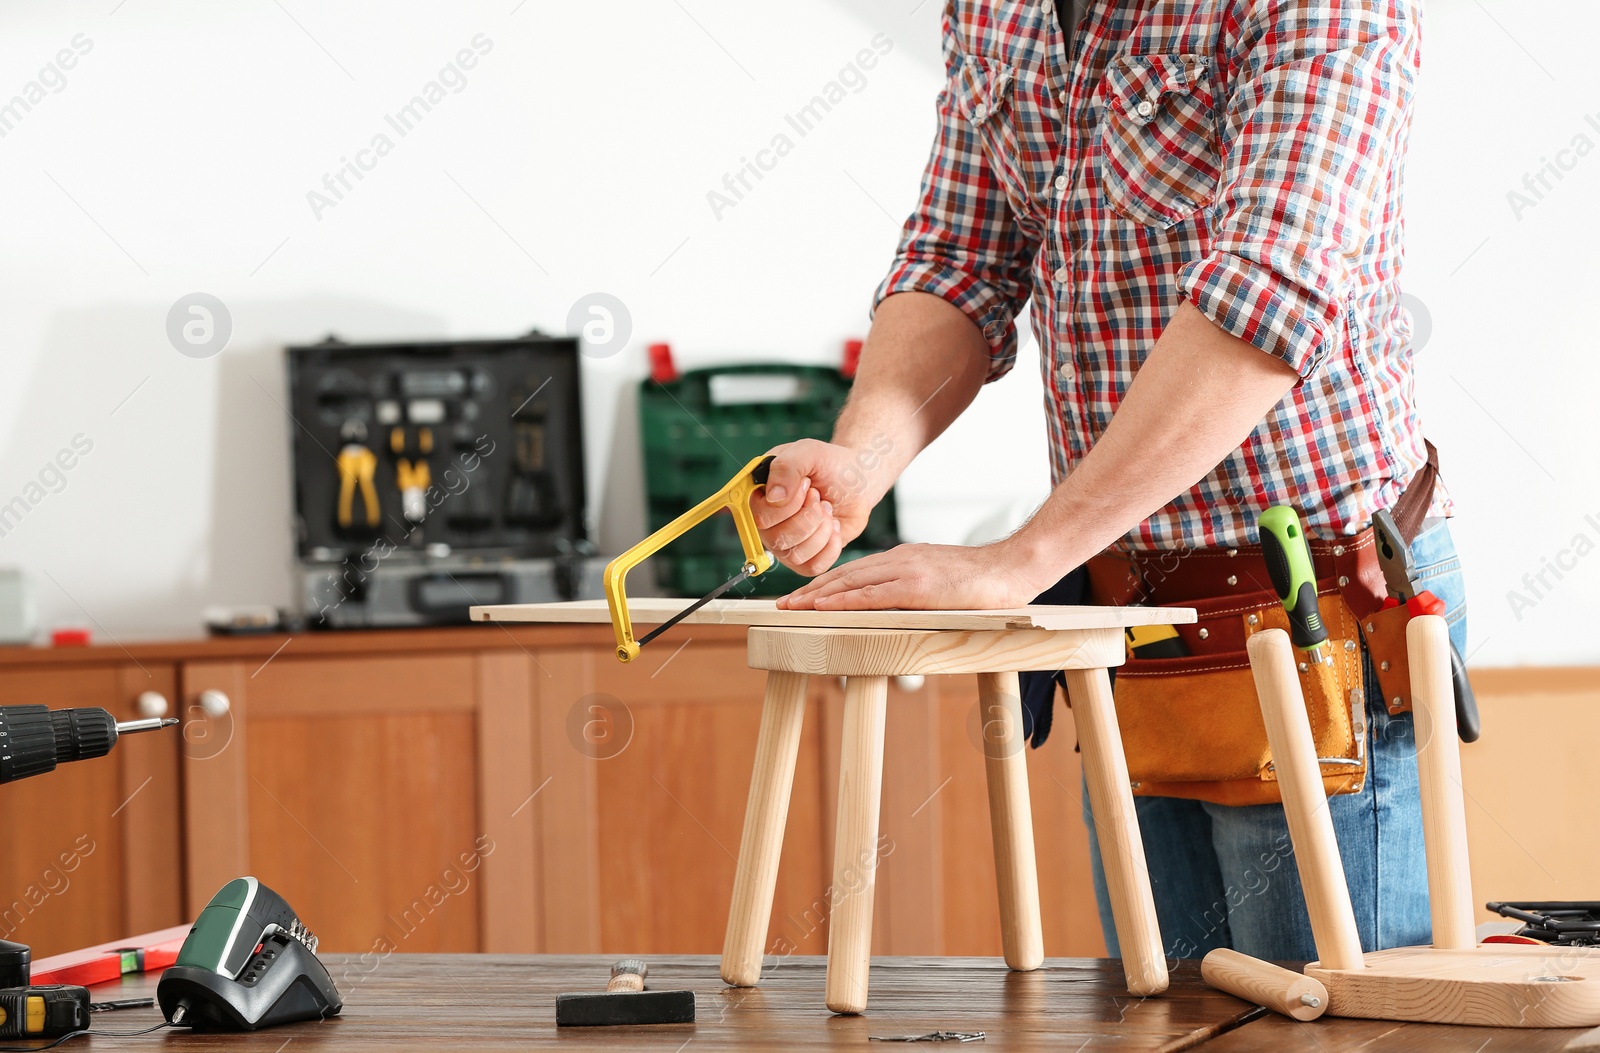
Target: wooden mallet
(625, 1001)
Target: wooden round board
(1493, 985)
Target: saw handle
(735, 497)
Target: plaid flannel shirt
(1245, 155)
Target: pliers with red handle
(1400, 574)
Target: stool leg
(1105, 769)
(782, 715)
(855, 846)
(1011, 820)
(1305, 800)
(1444, 818)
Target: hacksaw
(735, 497)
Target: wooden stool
(1454, 981)
(868, 647)
(867, 658)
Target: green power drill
(247, 963)
(1283, 545)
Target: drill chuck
(33, 740)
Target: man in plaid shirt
(1203, 200)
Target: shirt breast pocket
(1159, 159)
(1018, 133)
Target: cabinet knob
(152, 704)
(214, 703)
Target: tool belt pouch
(1192, 726)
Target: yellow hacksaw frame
(735, 497)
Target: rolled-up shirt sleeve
(963, 243)
(1313, 135)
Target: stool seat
(907, 652)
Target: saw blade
(747, 571)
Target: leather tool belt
(1191, 725)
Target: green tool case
(703, 426)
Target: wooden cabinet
(92, 850)
(528, 793)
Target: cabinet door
(378, 795)
(649, 767)
(92, 849)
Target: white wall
(577, 158)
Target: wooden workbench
(493, 1002)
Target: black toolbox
(432, 476)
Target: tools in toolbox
(1400, 575)
(432, 476)
(34, 739)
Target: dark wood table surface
(507, 1002)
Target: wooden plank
(653, 610)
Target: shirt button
(1047, 6)
(982, 111)
(1062, 98)
(1144, 109)
(1061, 274)
(1065, 371)
(1061, 182)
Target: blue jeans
(1226, 876)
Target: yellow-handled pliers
(357, 466)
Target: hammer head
(606, 1008)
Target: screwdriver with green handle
(1283, 545)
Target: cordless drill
(33, 740)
